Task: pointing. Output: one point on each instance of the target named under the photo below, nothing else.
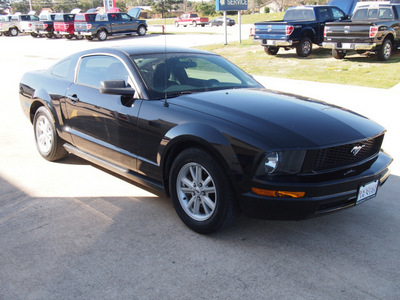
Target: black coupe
(193, 124)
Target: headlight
(282, 162)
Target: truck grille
(323, 160)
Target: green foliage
(165, 6)
(86, 4)
(205, 9)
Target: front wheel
(194, 23)
(201, 192)
(338, 54)
(176, 24)
(48, 143)
(304, 48)
(385, 51)
(89, 37)
(271, 50)
(141, 30)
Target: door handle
(74, 98)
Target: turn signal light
(278, 194)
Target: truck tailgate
(355, 31)
(270, 30)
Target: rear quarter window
(61, 69)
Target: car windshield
(303, 14)
(174, 74)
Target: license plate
(367, 191)
(270, 42)
(346, 46)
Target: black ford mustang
(193, 124)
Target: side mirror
(116, 87)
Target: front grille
(323, 160)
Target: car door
(101, 124)
(116, 22)
(128, 23)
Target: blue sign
(231, 5)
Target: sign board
(231, 5)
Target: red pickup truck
(64, 25)
(190, 19)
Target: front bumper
(349, 46)
(320, 197)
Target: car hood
(285, 120)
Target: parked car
(104, 25)
(19, 23)
(191, 123)
(45, 25)
(3, 19)
(190, 19)
(64, 25)
(220, 21)
(374, 28)
(301, 27)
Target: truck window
(385, 13)
(125, 17)
(337, 13)
(299, 15)
(324, 14)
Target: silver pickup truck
(18, 23)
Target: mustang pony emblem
(357, 149)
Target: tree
(165, 6)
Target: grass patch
(320, 66)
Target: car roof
(144, 49)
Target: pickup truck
(45, 26)
(190, 19)
(301, 27)
(64, 25)
(111, 24)
(18, 23)
(374, 28)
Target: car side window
(337, 13)
(94, 69)
(125, 17)
(61, 69)
(324, 14)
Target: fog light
(279, 194)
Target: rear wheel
(13, 31)
(69, 36)
(201, 192)
(89, 38)
(102, 35)
(176, 24)
(48, 143)
(271, 50)
(338, 54)
(194, 23)
(385, 51)
(304, 48)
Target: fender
(202, 134)
(308, 32)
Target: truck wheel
(201, 192)
(89, 38)
(385, 51)
(33, 34)
(102, 35)
(13, 31)
(271, 50)
(194, 23)
(304, 48)
(141, 30)
(48, 143)
(69, 36)
(176, 24)
(79, 37)
(338, 54)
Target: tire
(89, 38)
(271, 50)
(35, 35)
(385, 51)
(194, 23)
(304, 48)
(13, 31)
(79, 37)
(102, 35)
(176, 24)
(69, 36)
(141, 30)
(48, 143)
(338, 54)
(201, 192)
